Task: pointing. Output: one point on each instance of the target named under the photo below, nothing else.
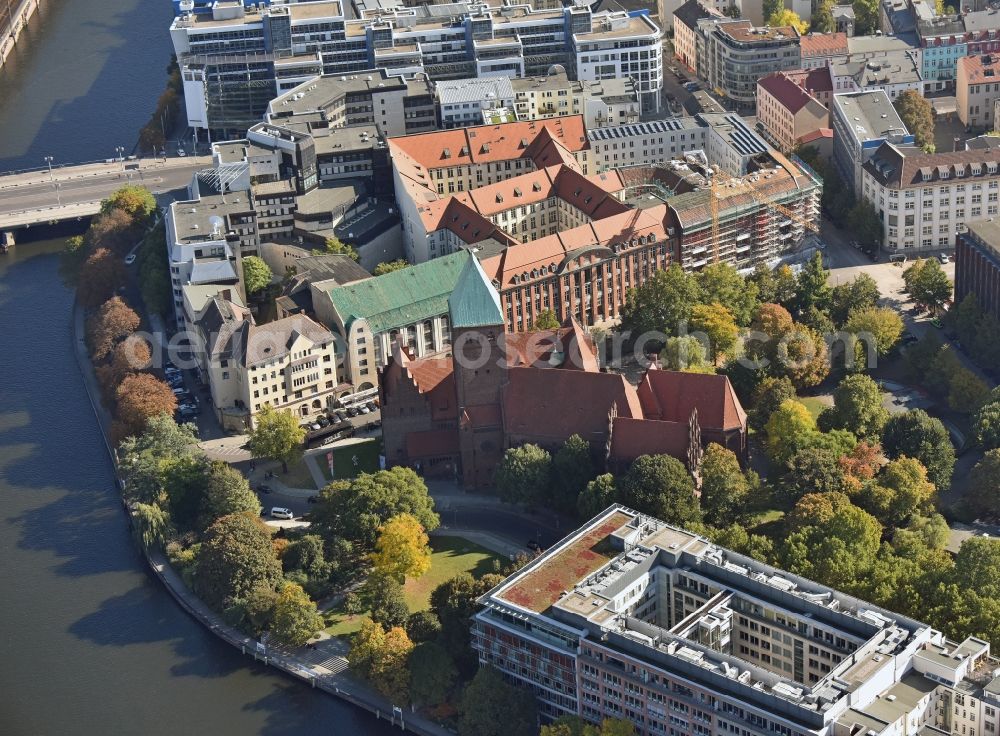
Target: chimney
(957, 144)
(227, 295)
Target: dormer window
(977, 169)
(446, 153)
(927, 176)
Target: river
(90, 642)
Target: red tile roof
(632, 438)
(672, 396)
(816, 135)
(823, 44)
(978, 69)
(785, 92)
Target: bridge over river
(73, 192)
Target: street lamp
(48, 160)
(120, 150)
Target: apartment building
(207, 238)
(644, 144)
(894, 72)
(861, 122)
(977, 265)
(924, 199)
(816, 81)
(235, 58)
(977, 90)
(462, 102)
(787, 112)
(628, 617)
(289, 364)
(820, 49)
(946, 39)
(737, 54)
(686, 33)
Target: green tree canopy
(151, 525)
(276, 435)
(927, 283)
(545, 320)
(770, 394)
(432, 674)
(859, 293)
(686, 353)
(572, 469)
(857, 406)
(967, 391)
(986, 424)
(983, 494)
(918, 116)
(721, 283)
(355, 510)
(135, 201)
(866, 224)
(883, 324)
(724, 488)
(389, 266)
(454, 602)
(492, 707)
(384, 596)
(811, 285)
(226, 492)
(660, 485)
(335, 247)
(718, 324)
(295, 618)
(380, 657)
(811, 470)
(257, 275)
(789, 429)
(523, 474)
(235, 557)
(597, 496)
(143, 457)
(916, 434)
(660, 303)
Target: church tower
(480, 370)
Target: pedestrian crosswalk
(324, 658)
(230, 453)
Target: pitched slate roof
(691, 12)
(900, 168)
(402, 297)
(474, 302)
(274, 339)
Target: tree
(771, 324)
(151, 525)
(927, 283)
(276, 435)
(226, 492)
(884, 325)
(909, 492)
(866, 20)
(432, 674)
(716, 322)
(384, 595)
(858, 294)
(770, 394)
(811, 285)
(918, 116)
(491, 707)
(977, 565)
(576, 726)
(785, 17)
(857, 406)
(401, 549)
(802, 355)
(660, 485)
(572, 468)
(985, 345)
(812, 470)
(916, 434)
(544, 320)
(788, 430)
(101, 274)
(113, 322)
(454, 602)
(306, 556)
(130, 355)
(523, 474)
(964, 318)
(295, 619)
(356, 509)
(720, 282)
(154, 273)
(335, 247)
(919, 356)
(380, 657)
(724, 488)
(597, 496)
(866, 224)
(114, 230)
(983, 495)
(686, 353)
(822, 20)
(135, 201)
(772, 6)
(943, 367)
(141, 396)
(257, 275)
(660, 303)
(967, 391)
(389, 266)
(235, 557)
(143, 457)
(423, 626)
(986, 425)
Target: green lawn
(449, 557)
(298, 475)
(814, 404)
(366, 452)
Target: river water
(90, 643)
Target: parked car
(130, 259)
(315, 427)
(340, 415)
(909, 338)
(943, 257)
(364, 409)
(937, 323)
(322, 421)
(371, 406)
(181, 152)
(280, 512)
(351, 411)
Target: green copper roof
(401, 297)
(474, 302)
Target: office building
(977, 265)
(628, 617)
(925, 199)
(861, 122)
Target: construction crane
(743, 185)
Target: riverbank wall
(14, 17)
(339, 684)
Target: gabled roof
(899, 168)
(474, 302)
(786, 93)
(823, 44)
(402, 297)
(632, 438)
(691, 12)
(672, 396)
(274, 340)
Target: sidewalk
(99, 168)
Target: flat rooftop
(869, 114)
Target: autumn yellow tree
(785, 17)
(717, 322)
(402, 550)
(380, 657)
